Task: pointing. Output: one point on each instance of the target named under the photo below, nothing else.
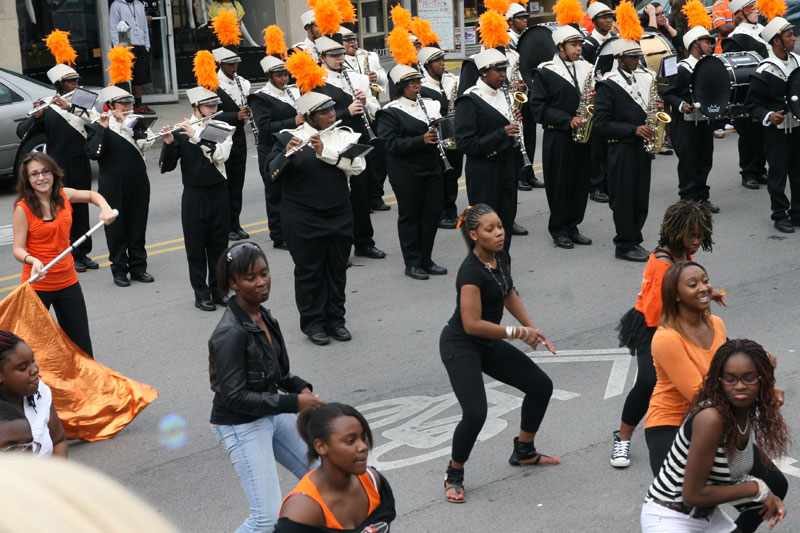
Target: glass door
(164, 87)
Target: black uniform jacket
(117, 156)
(63, 141)
(245, 372)
(196, 169)
(679, 89)
(554, 101)
(271, 116)
(402, 135)
(480, 132)
(616, 114)
(589, 49)
(767, 93)
(342, 101)
(230, 113)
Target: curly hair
(771, 432)
(25, 190)
(470, 220)
(683, 218)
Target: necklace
(488, 266)
(746, 425)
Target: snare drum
(720, 83)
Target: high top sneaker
(619, 455)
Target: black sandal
(454, 479)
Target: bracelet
(509, 332)
(763, 490)
(25, 259)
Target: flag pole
(71, 247)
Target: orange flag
(93, 401)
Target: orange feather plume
(226, 28)
(424, 32)
(500, 6)
(57, 42)
(121, 64)
(494, 29)
(327, 16)
(771, 8)
(346, 10)
(312, 3)
(402, 49)
(401, 18)
(568, 12)
(273, 40)
(628, 21)
(306, 71)
(205, 70)
(696, 14)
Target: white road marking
(785, 466)
(621, 362)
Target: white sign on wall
(441, 15)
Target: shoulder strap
(663, 253)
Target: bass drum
(741, 42)
(720, 83)
(656, 49)
(793, 92)
(535, 46)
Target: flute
(447, 165)
(245, 106)
(290, 152)
(371, 134)
(49, 103)
(177, 127)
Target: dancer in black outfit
(471, 344)
(415, 169)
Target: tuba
(656, 120)
(585, 111)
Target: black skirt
(634, 331)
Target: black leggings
(466, 362)
(638, 399)
(71, 314)
(659, 441)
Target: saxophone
(450, 144)
(374, 87)
(656, 120)
(585, 111)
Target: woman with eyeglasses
(21, 387)
(42, 219)
(415, 169)
(256, 398)
(733, 424)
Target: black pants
(496, 186)
(597, 172)
(360, 193)
(272, 195)
(783, 154)
(529, 132)
(659, 441)
(78, 175)
(205, 217)
(235, 168)
(694, 145)
(638, 399)
(629, 191)
(377, 169)
(125, 237)
(419, 202)
(450, 184)
(752, 162)
(319, 242)
(70, 310)
(566, 181)
(466, 362)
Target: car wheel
(37, 143)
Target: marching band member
(313, 33)
(752, 162)
(64, 126)
(487, 133)
(204, 204)
(621, 105)
(316, 212)
(692, 133)
(442, 86)
(119, 152)
(603, 19)
(558, 89)
(766, 100)
(415, 169)
(352, 111)
(517, 17)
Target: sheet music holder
(139, 123)
(446, 127)
(83, 98)
(215, 133)
(353, 150)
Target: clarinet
(526, 162)
(447, 166)
(371, 134)
(244, 105)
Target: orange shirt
(44, 242)
(681, 367)
(307, 487)
(720, 14)
(648, 301)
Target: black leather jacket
(246, 373)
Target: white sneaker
(619, 455)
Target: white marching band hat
(401, 73)
(307, 18)
(516, 10)
(412, 38)
(202, 96)
(775, 27)
(112, 93)
(596, 9)
(223, 55)
(428, 54)
(61, 72)
(326, 45)
(738, 5)
(347, 33)
(626, 47)
(272, 64)
(312, 102)
(491, 58)
(698, 32)
(565, 34)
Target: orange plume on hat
(327, 16)
(424, 32)
(402, 49)
(628, 21)
(494, 29)
(696, 14)
(205, 70)
(401, 18)
(568, 12)
(306, 71)
(771, 8)
(346, 10)
(273, 41)
(121, 64)
(57, 42)
(226, 28)
(500, 6)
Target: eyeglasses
(46, 172)
(237, 249)
(25, 447)
(414, 83)
(731, 381)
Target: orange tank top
(648, 301)
(47, 239)
(307, 487)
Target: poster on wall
(441, 15)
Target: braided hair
(772, 436)
(470, 220)
(8, 342)
(681, 219)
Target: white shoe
(619, 455)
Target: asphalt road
(392, 369)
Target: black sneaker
(619, 454)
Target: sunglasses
(32, 447)
(237, 249)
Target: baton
(71, 247)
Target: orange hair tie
(463, 217)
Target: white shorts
(658, 519)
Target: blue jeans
(254, 448)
